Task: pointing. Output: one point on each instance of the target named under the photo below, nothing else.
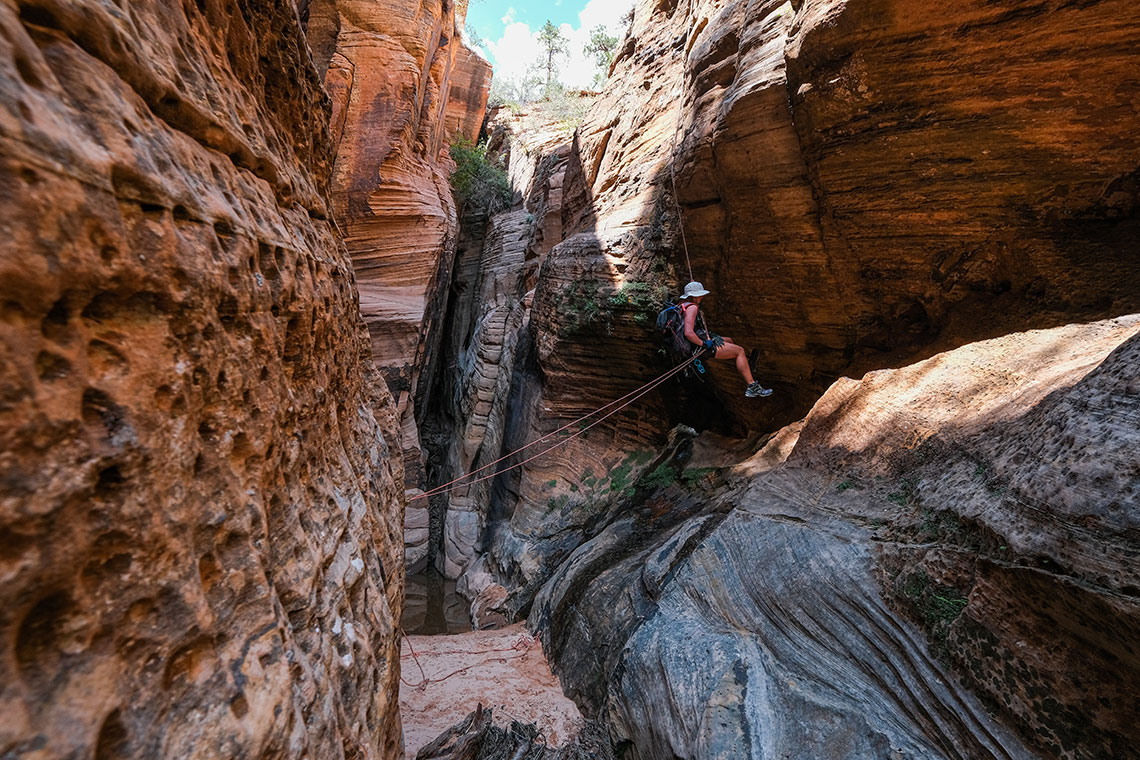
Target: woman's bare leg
(733, 352)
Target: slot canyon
(306, 451)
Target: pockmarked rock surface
(937, 562)
(403, 87)
(200, 480)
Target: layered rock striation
(861, 185)
(403, 87)
(201, 509)
(467, 408)
(932, 548)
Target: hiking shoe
(756, 390)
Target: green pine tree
(553, 46)
(601, 46)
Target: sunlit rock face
(200, 509)
(403, 85)
(866, 182)
(937, 562)
(861, 185)
(470, 86)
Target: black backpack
(671, 324)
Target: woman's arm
(690, 326)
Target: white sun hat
(694, 289)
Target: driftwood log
(478, 738)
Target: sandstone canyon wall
(862, 185)
(491, 287)
(403, 87)
(200, 523)
(932, 548)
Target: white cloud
(519, 48)
(509, 16)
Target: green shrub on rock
(479, 184)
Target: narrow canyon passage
(329, 425)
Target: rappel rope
(636, 394)
(677, 202)
(673, 182)
(520, 648)
(628, 399)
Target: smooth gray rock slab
(753, 635)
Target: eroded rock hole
(41, 636)
(293, 349)
(267, 262)
(103, 358)
(34, 15)
(100, 411)
(241, 446)
(27, 71)
(109, 481)
(188, 663)
(227, 312)
(225, 232)
(110, 306)
(114, 741)
(54, 324)
(209, 571)
(51, 366)
(239, 706)
(208, 431)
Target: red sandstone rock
(503, 669)
(200, 510)
(402, 85)
(860, 187)
(864, 184)
(468, 93)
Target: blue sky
(509, 29)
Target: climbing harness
(620, 403)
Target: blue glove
(710, 344)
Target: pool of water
(431, 605)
